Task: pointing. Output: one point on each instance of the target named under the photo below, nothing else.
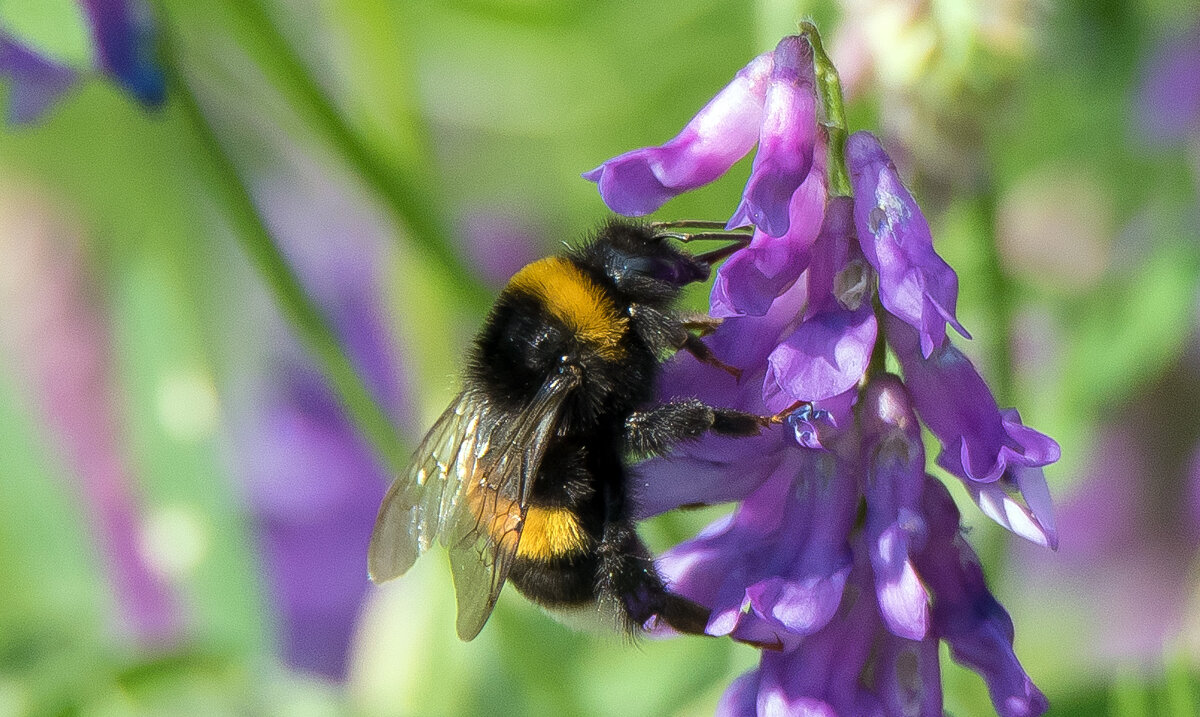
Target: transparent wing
(468, 487)
(420, 503)
(483, 539)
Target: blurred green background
(184, 509)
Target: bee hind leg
(628, 581)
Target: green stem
(1000, 288)
(305, 317)
(408, 197)
(829, 87)
(877, 365)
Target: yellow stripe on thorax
(551, 533)
(573, 298)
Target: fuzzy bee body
(524, 477)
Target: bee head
(643, 263)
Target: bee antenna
(689, 224)
(700, 236)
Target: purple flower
(314, 485)
(967, 616)
(843, 556)
(750, 280)
(787, 137)
(895, 529)
(124, 44)
(999, 458)
(641, 181)
(915, 284)
(774, 571)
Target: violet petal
(915, 284)
(787, 137)
(642, 180)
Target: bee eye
(677, 271)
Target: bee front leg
(666, 331)
(655, 430)
(702, 324)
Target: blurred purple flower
(844, 555)
(55, 336)
(498, 243)
(124, 46)
(314, 484)
(1168, 101)
(126, 39)
(37, 82)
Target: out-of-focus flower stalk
(406, 190)
(305, 316)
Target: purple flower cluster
(844, 554)
(123, 40)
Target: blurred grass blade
(1180, 689)
(301, 311)
(1129, 696)
(406, 194)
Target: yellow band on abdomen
(551, 533)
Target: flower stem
(407, 197)
(302, 312)
(829, 87)
(877, 364)
(1000, 289)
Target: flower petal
(915, 284)
(750, 280)
(642, 180)
(894, 528)
(979, 442)
(967, 616)
(740, 698)
(825, 357)
(1031, 518)
(787, 137)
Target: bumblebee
(524, 478)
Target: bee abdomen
(552, 533)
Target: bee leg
(693, 345)
(655, 430)
(628, 581)
(666, 332)
(702, 324)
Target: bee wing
(469, 487)
(419, 503)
